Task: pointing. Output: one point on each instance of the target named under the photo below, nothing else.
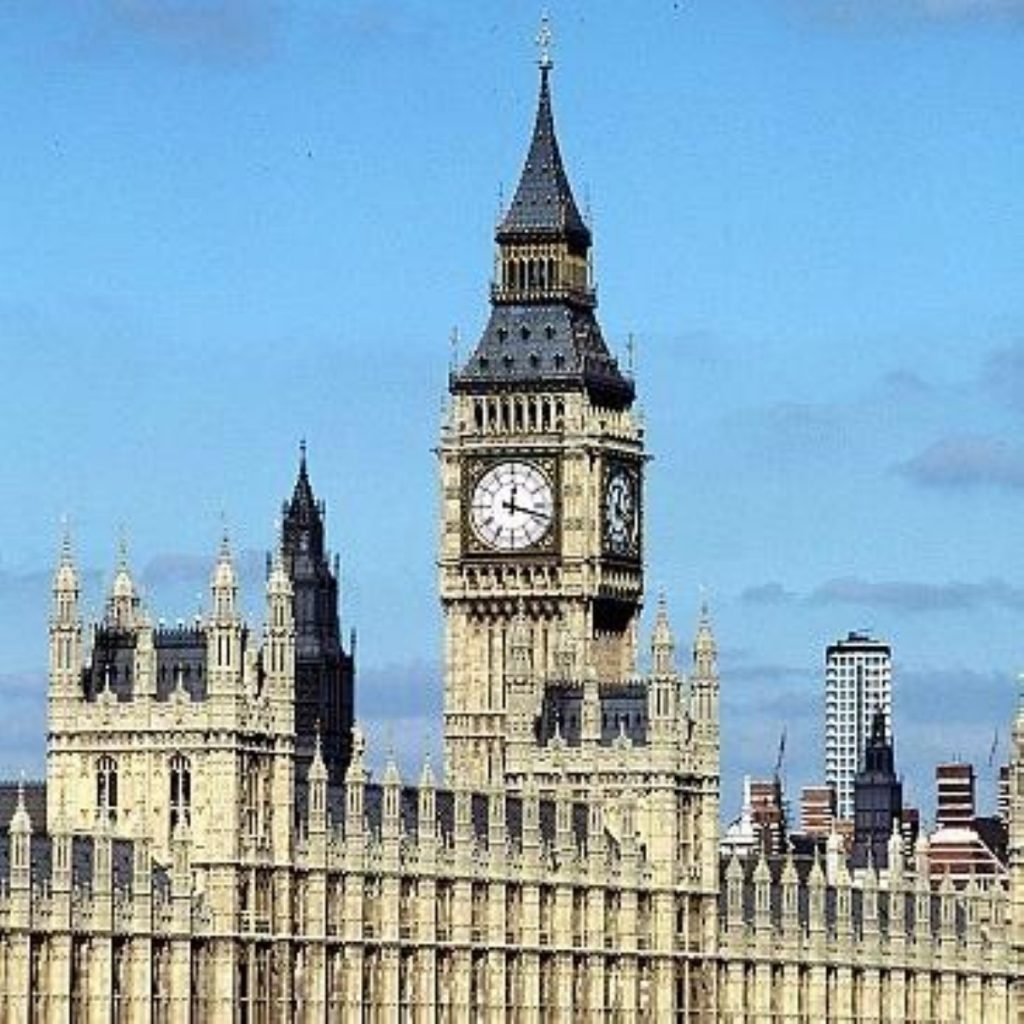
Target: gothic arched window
(106, 787)
(181, 791)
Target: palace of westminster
(208, 845)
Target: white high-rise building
(858, 680)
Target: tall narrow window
(106, 787)
(181, 791)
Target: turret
(279, 639)
(662, 697)
(790, 904)
(224, 585)
(62, 846)
(355, 787)
(224, 654)
(427, 811)
(734, 894)
(65, 634)
(20, 833)
(123, 601)
(704, 679)
(317, 792)
(392, 811)
(762, 897)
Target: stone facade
(180, 868)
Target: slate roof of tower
(543, 202)
(547, 342)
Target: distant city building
(1003, 797)
(858, 682)
(877, 798)
(767, 811)
(817, 809)
(954, 791)
(761, 827)
(963, 844)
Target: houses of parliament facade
(209, 846)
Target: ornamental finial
(544, 40)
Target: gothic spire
(542, 330)
(303, 506)
(663, 644)
(705, 650)
(543, 207)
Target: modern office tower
(858, 682)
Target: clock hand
(533, 512)
(511, 506)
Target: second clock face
(513, 506)
(621, 511)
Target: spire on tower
(542, 327)
(705, 650)
(544, 41)
(317, 769)
(123, 601)
(20, 823)
(303, 505)
(223, 582)
(65, 580)
(663, 644)
(543, 206)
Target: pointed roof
(303, 505)
(543, 203)
(66, 577)
(541, 336)
(122, 587)
(223, 576)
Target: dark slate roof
(547, 342)
(35, 804)
(373, 801)
(181, 654)
(803, 869)
(303, 508)
(623, 712)
(82, 855)
(552, 344)
(543, 204)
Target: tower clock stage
(541, 460)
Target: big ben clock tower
(541, 572)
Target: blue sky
(226, 225)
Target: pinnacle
(427, 780)
(543, 202)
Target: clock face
(513, 506)
(621, 511)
